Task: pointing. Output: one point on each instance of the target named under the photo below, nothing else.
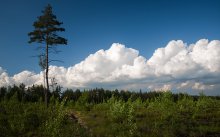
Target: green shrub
(122, 115)
(54, 123)
(31, 122)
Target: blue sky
(92, 25)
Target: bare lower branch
(54, 50)
(55, 61)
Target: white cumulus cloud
(5, 80)
(177, 66)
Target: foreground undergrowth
(102, 113)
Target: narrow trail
(75, 116)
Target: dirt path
(75, 116)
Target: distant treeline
(96, 95)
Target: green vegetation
(104, 113)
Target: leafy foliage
(105, 113)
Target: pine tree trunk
(47, 83)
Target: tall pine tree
(46, 28)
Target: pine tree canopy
(46, 28)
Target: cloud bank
(177, 67)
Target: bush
(54, 124)
(122, 115)
(31, 122)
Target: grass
(161, 116)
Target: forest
(105, 113)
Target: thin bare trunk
(44, 79)
(47, 82)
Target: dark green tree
(45, 32)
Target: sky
(127, 44)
